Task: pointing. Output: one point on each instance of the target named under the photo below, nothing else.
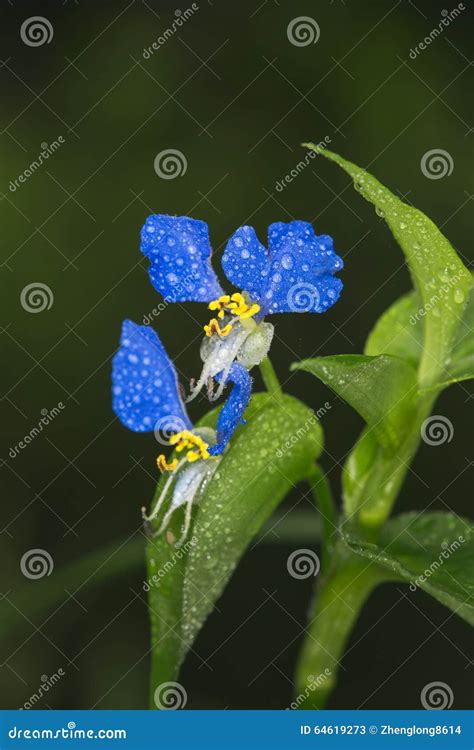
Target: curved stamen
(220, 358)
(238, 305)
(192, 482)
(163, 493)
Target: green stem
(325, 503)
(336, 609)
(350, 581)
(270, 378)
(379, 492)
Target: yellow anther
(201, 451)
(163, 465)
(181, 438)
(192, 456)
(220, 303)
(251, 311)
(235, 305)
(195, 446)
(214, 327)
(238, 304)
(182, 446)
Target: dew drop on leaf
(444, 275)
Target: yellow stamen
(238, 297)
(220, 303)
(250, 312)
(235, 305)
(192, 456)
(195, 446)
(164, 466)
(214, 327)
(180, 438)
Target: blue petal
(145, 392)
(303, 265)
(232, 412)
(180, 258)
(246, 262)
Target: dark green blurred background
(232, 94)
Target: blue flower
(144, 383)
(146, 398)
(295, 274)
(296, 261)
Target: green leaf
(461, 364)
(396, 332)
(399, 332)
(164, 587)
(271, 453)
(431, 551)
(372, 477)
(382, 389)
(439, 276)
(356, 471)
